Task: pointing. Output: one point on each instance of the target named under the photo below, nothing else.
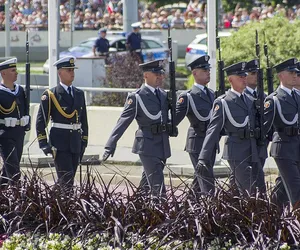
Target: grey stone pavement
(126, 164)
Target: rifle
(260, 94)
(269, 69)
(221, 89)
(172, 92)
(27, 83)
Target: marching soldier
(13, 121)
(196, 105)
(235, 113)
(134, 41)
(279, 194)
(68, 138)
(251, 91)
(101, 46)
(149, 106)
(282, 111)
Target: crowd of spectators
(95, 14)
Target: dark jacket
(61, 108)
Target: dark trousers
(290, 176)
(66, 164)
(279, 195)
(152, 176)
(137, 56)
(11, 153)
(204, 179)
(248, 176)
(232, 178)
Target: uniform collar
(66, 87)
(251, 90)
(297, 91)
(237, 93)
(150, 87)
(287, 90)
(199, 86)
(4, 88)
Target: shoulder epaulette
(221, 96)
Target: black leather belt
(156, 128)
(246, 133)
(200, 128)
(289, 131)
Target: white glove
(27, 118)
(24, 120)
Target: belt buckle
(251, 133)
(74, 126)
(163, 128)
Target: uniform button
(71, 131)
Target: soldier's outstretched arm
(42, 121)
(127, 116)
(181, 108)
(269, 114)
(213, 132)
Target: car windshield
(152, 44)
(198, 40)
(80, 48)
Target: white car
(198, 47)
(152, 48)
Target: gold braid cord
(9, 110)
(59, 109)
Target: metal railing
(88, 91)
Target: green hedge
(282, 38)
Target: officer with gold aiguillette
(13, 121)
(68, 138)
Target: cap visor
(252, 70)
(69, 67)
(242, 74)
(293, 70)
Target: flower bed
(36, 215)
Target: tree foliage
(281, 37)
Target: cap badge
(295, 60)
(160, 63)
(243, 65)
(206, 58)
(72, 61)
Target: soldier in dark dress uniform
(196, 105)
(251, 91)
(149, 107)
(65, 106)
(282, 112)
(13, 121)
(235, 113)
